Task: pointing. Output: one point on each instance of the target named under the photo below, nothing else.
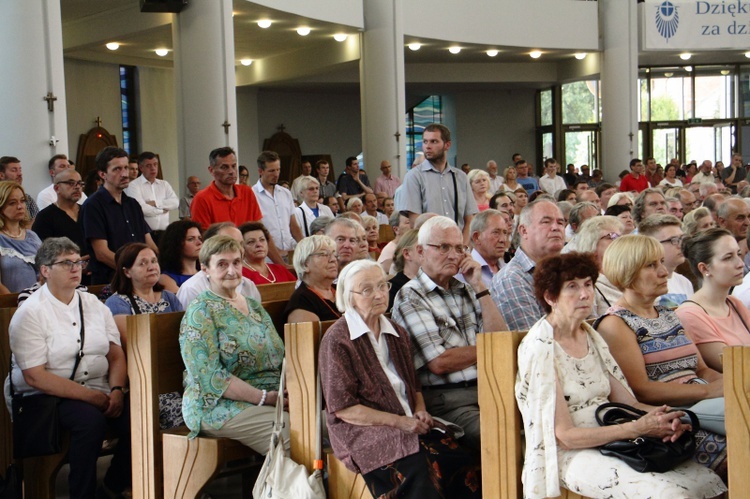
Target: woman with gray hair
(377, 421)
(309, 209)
(316, 263)
(65, 343)
(595, 236)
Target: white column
(618, 25)
(203, 39)
(381, 83)
(32, 62)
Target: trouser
(710, 413)
(252, 427)
(460, 406)
(87, 426)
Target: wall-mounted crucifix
(98, 121)
(226, 126)
(50, 98)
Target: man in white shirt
(276, 204)
(551, 182)
(495, 180)
(48, 196)
(155, 196)
(667, 229)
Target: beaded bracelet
(263, 398)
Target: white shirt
(551, 185)
(277, 212)
(357, 328)
(743, 291)
(45, 331)
(306, 221)
(496, 183)
(48, 196)
(198, 283)
(160, 191)
(380, 217)
(487, 274)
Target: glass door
(665, 144)
(709, 142)
(581, 148)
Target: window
(129, 109)
(580, 102)
(428, 111)
(545, 102)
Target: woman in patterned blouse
(232, 355)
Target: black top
(54, 222)
(117, 223)
(304, 298)
(397, 282)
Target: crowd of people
(657, 263)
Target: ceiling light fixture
(686, 56)
(417, 46)
(303, 31)
(113, 45)
(535, 54)
(493, 52)
(161, 52)
(580, 55)
(688, 68)
(454, 50)
(747, 54)
(265, 23)
(246, 62)
(669, 75)
(340, 37)
(725, 72)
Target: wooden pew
(500, 420)
(736, 362)
(6, 429)
(167, 464)
(276, 292)
(385, 233)
(302, 341)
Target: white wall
(248, 138)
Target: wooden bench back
(385, 234)
(6, 430)
(736, 361)
(276, 292)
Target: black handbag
(645, 454)
(36, 427)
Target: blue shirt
(529, 183)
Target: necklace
(335, 312)
(270, 272)
(20, 233)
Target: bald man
(193, 186)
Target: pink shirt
(702, 328)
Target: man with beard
(436, 187)
(60, 219)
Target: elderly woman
(315, 261)
(698, 220)
(405, 263)
(595, 236)
(711, 317)
(232, 355)
(565, 371)
(479, 180)
(355, 205)
(136, 287)
(372, 235)
(255, 238)
(179, 247)
(649, 343)
(46, 338)
(18, 245)
(623, 213)
(376, 415)
(309, 208)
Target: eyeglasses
(444, 249)
(676, 240)
(71, 183)
(244, 175)
(611, 235)
(383, 287)
(70, 265)
(326, 254)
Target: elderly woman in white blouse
(309, 209)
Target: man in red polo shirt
(224, 200)
(635, 180)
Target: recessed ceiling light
(492, 52)
(113, 45)
(725, 72)
(747, 54)
(417, 46)
(265, 23)
(686, 56)
(688, 68)
(580, 55)
(303, 31)
(454, 50)
(246, 62)
(161, 52)
(340, 37)
(669, 75)
(535, 54)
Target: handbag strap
(136, 308)
(304, 221)
(738, 314)
(455, 198)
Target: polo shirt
(211, 206)
(54, 222)
(117, 223)
(630, 183)
(277, 212)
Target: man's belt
(451, 386)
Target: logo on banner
(667, 20)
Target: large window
(129, 109)
(428, 111)
(580, 102)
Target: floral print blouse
(217, 341)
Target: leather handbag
(280, 477)
(36, 427)
(645, 454)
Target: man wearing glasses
(60, 219)
(667, 229)
(443, 317)
(47, 196)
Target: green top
(217, 341)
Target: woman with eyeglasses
(47, 334)
(377, 420)
(712, 318)
(18, 245)
(135, 287)
(316, 263)
(244, 175)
